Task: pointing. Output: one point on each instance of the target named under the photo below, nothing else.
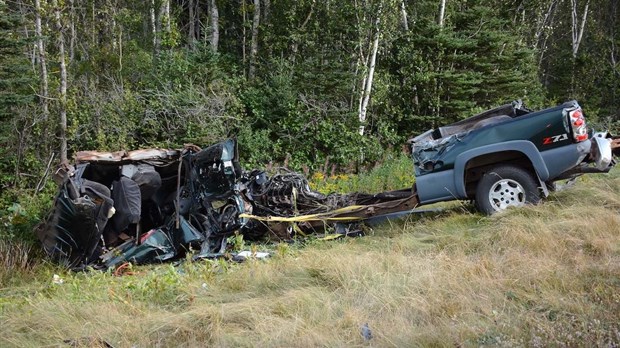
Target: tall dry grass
(16, 258)
(539, 276)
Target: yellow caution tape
(329, 216)
(337, 214)
(298, 230)
(301, 218)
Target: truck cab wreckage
(155, 205)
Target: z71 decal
(555, 139)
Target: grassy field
(539, 276)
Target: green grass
(547, 275)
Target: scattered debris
(250, 254)
(366, 332)
(57, 280)
(155, 205)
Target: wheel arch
(510, 151)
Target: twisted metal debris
(155, 205)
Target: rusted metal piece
(122, 157)
(363, 212)
(402, 204)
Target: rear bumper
(601, 151)
(600, 158)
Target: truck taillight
(578, 124)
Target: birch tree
(576, 28)
(72, 39)
(254, 42)
(215, 25)
(163, 20)
(544, 20)
(244, 17)
(153, 23)
(42, 61)
(442, 13)
(63, 84)
(403, 13)
(191, 33)
(166, 10)
(266, 9)
(367, 84)
(544, 24)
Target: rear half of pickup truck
(507, 156)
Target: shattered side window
(428, 154)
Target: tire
(506, 186)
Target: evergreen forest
(317, 85)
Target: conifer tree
(475, 61)
(15, 77)
(14, 70)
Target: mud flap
(543, 186)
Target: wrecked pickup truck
(157, 205)
(508, 156)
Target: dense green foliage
(286, 77)
(15, 82)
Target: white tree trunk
(215, 25)
(243, 41)
(191, 35)
(42, 62)
(73, 34)
(112, 31)
(266, 9)
(369, 79)
(364, 60)
(578, 31)
(442, 13)
(63, 85)
(154, 26)
(548, 23)
(254, 42)
(167, 16)
(403, 13)
(162, 15)
(544, 22)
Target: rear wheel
(506, 186)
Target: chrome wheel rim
(506, 193)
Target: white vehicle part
(601, 150)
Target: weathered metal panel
(119, 157)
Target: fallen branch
(47, 171)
